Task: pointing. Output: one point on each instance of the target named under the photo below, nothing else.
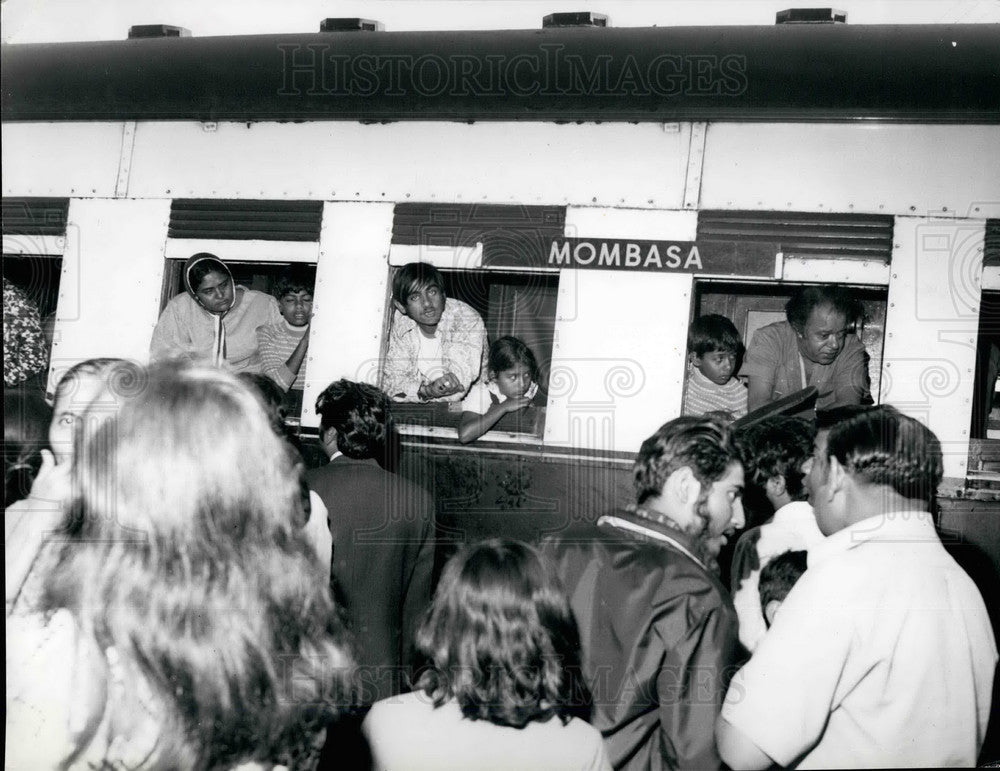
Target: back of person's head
(827, 419)
(777, 447)
(184, 558)
(26, 419)
(295, 278)
(712, 333)
(703, 444)
(500, 638)
(801, 305)
(361, 415)
(777, 579)
(507, 352)
(272, 398)
(882, 446)
(413, 277)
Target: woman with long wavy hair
(183, 625)
(502, 689)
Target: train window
(261, 277)
(751, 306)
(34, 237)
(517, 304)
(984, 433)
(31, 291)
(986, 400)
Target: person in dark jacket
(382, 529)
(659, 630)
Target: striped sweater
(705, 396)
(277, 343)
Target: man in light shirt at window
(437, 344)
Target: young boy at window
(713, 347)
(437, 344)
(283, 345)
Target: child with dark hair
(512, 382)
(714, 347)
(776, 452)
(502, 688)
(283, 345)
(437, 344)
(777, 580)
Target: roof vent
(350, 25)
(157, 30)
(811, 16)
(575, 19)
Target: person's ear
(771, 610)
(400, 307)
(836, 476)
(329, 440)
(682, 485)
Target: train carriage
(590, 189)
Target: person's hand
(446, 385)
(513, 405)
(52, 483)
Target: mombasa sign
(707, 257)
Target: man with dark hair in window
(883, 654)
(814, 347)
(437, 344)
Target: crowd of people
(182, 592)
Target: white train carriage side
(590, 189)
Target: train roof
(803, 72)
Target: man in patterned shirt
(24, 349)
(437, 344)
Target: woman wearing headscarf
(215, 319)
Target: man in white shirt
(882, 654)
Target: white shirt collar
(894, 527)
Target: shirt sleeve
(419, 556)
(852, 384)
(464, 344)
(40, 658)
(763, 357)
(170, 337)
(273, 358)
(691, 685)
(317, 530)
(782, 698)
(400, 377)
(478, 400)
